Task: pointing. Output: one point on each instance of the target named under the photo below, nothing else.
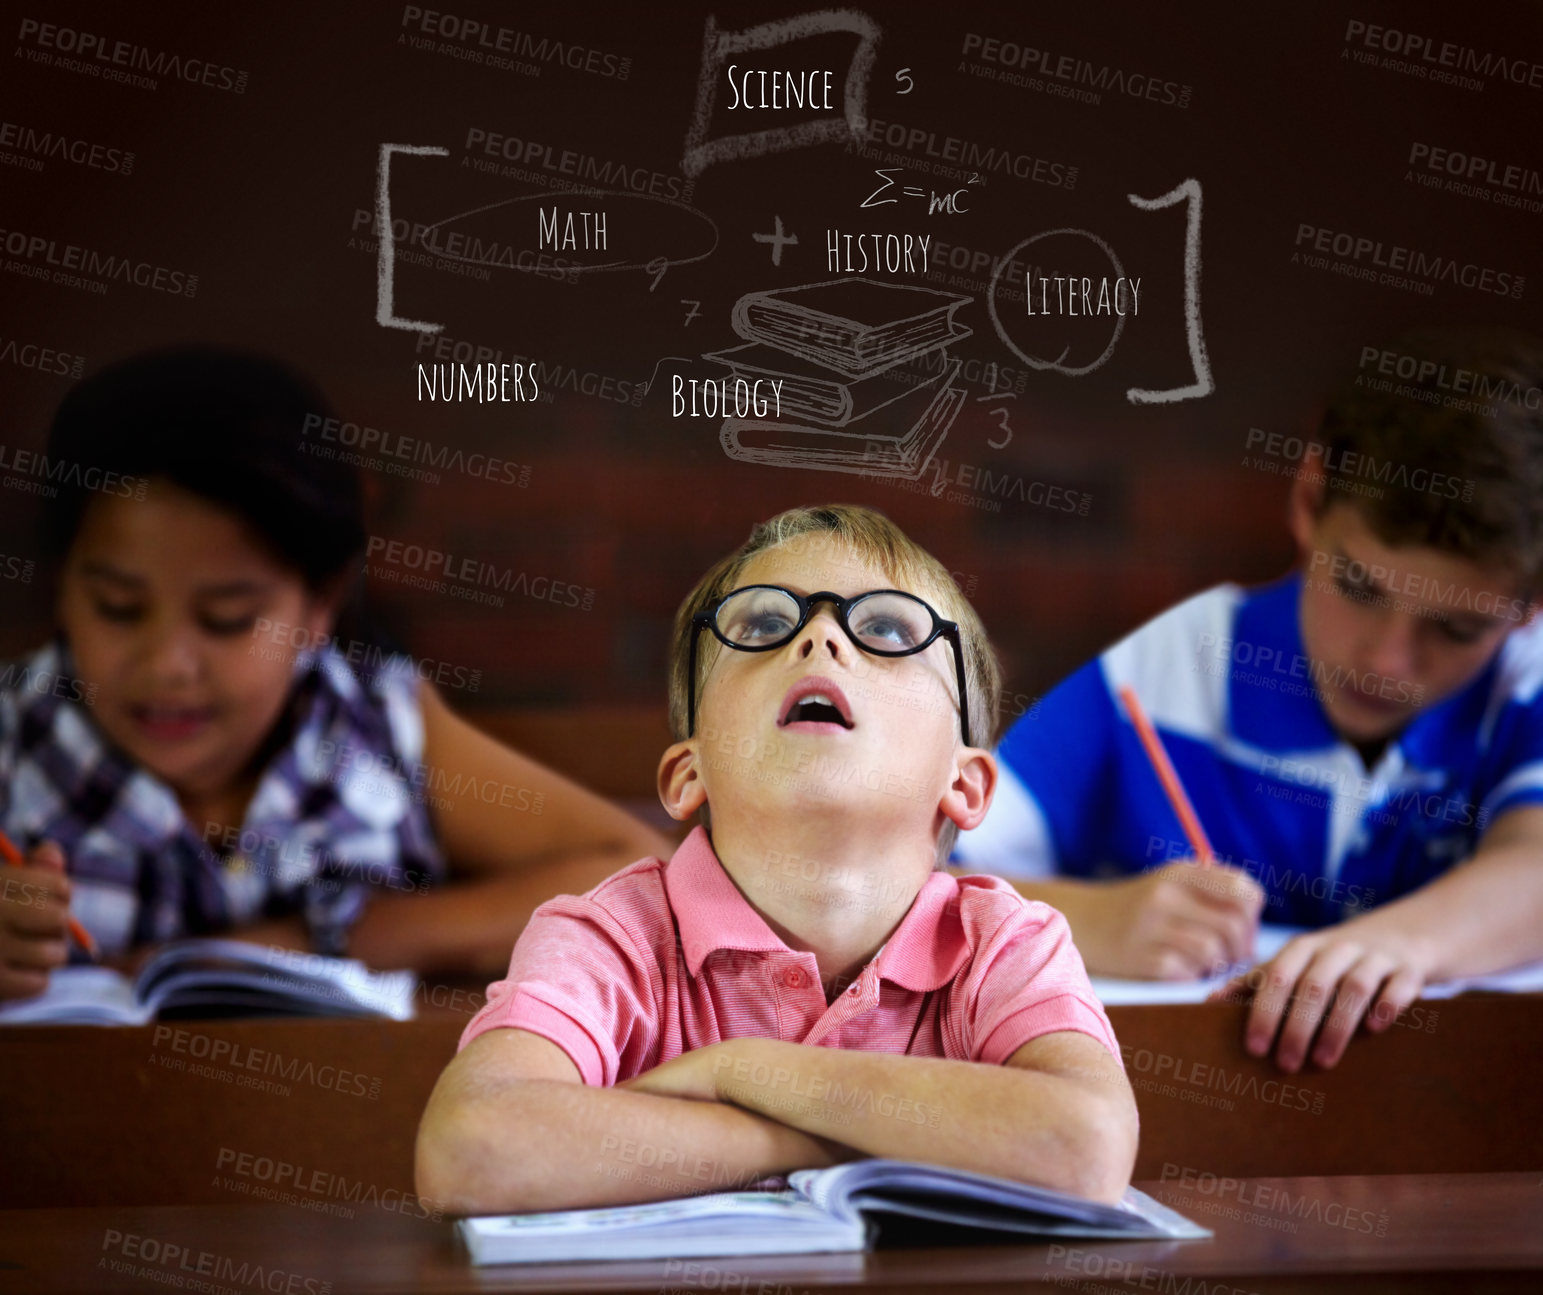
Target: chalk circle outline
(590, 193)
(1039, 362)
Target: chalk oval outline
(592, 193)
(1039, 362)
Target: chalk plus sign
(777, 240)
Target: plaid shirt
(338, 811)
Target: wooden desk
(1458, 1232)
(157, 1115)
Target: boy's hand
(1330, 978)
(1177, 922)
(692, 1075)
(34, 917)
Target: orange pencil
(1162, 766)
(13, 857)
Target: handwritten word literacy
(1068, 289)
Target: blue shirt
(1230, 688)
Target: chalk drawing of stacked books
(867, 380)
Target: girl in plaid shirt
(198, 751)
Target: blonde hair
(876, 541)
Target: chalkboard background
(256, 135)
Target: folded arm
(1058, 1113)
(510, 1128)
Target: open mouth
(818, 702)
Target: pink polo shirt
(972, 973)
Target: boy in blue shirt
(1362, 740)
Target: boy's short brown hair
(824, 532)
(1438, 441)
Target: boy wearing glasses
(1362, 739)
(801, 983)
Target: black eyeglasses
(883, 622)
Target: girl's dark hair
(230, 426)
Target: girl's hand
(34, 918)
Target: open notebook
(1113, 992)
(849, 1207)
(204, 978)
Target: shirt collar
(710, 913)
(924, 952)
(928, 947)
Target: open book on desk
(848, 1207)
(1114, 992)
(217, 978)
